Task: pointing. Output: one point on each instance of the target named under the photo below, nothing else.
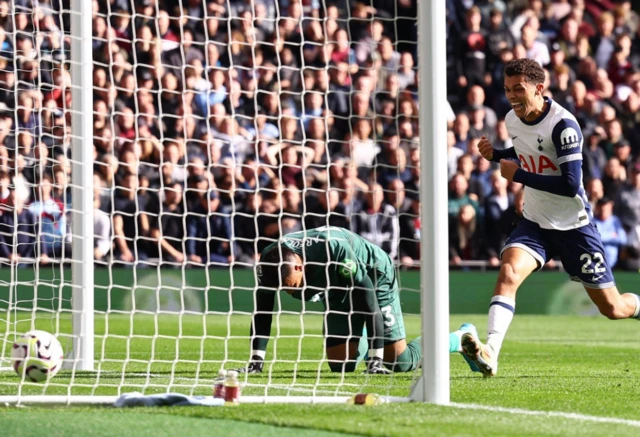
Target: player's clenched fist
(486, 149)
(508, 168)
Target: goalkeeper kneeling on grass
(356, 282)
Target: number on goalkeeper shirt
(389, 319)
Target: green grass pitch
(580, 365)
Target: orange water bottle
(366, 399)
(218, 385)
(232, 388)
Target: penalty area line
(560, 414)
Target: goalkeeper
(356, 281)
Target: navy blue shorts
(580, 250)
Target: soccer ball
(37, 355)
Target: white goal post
(168, 318)
(82, 351)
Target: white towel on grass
(137, 399)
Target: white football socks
(501, 310)
(455, 341)
(636, 313)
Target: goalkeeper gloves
(255, 365)
(375, 367)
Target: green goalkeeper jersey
(335, 261)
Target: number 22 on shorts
(588, 260)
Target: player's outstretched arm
(260, 331)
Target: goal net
(216, 127)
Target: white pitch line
(573, 416)
(203, 382)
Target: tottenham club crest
(569, 138)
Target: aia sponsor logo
(529, 163)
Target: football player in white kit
(546, 158)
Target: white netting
(218, 127)
(34, 173)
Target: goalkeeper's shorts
(341, 327)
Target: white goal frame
(433, 385)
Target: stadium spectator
(628, 201)
(18, 230)
(611, 231)
(622, 151)
(50, 214)
(472, 51)
(453, 154)
(166, 227)
(325, 209)
(396, 168)
(174, 59)
(498, 39)
(503, 140)
(291, 218)
(350, 194)
(281, 208)
(406, 72)
(461, 129)
(499, 216)
(594, 158)
(595, 191)
(614, 178)
(535, 49)
(101, 230)
(409, 223)
(465, 241)
(368, 42)
(212, 97)
(475, 187)
(396, 197)
(614, 137)
(459, 195)
(603, 44)
(130, 222)
(630, 254)
(247, 224)
(209, 237)
(476, 99)
(378, 222)
(560, 79)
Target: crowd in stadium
(220, 125)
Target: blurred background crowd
(220, 125)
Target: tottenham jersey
(541, 146)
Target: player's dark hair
(530, 69)
(276, 265)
